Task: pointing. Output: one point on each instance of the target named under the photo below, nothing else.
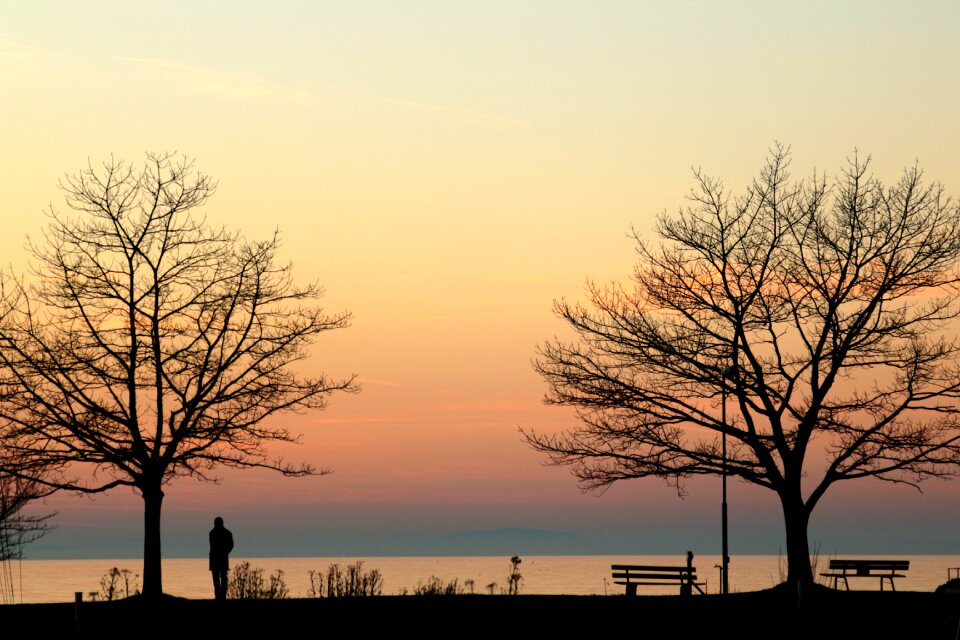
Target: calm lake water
(57, 580)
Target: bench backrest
(866, 567)
(644, 572)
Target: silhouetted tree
(17, 527)
(149, 345)
(820, 305)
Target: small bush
(513, 580)
(116, 584)
(352, 581)
(247, 583)
(437, 587)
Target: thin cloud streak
(12, 49)
(378, 383)
(345, 421)
(255, 89)
(462, 116)
(252, 88)
(234, 87)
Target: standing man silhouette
(221, 544)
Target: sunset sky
(446, 170)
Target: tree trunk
(152, 577)
(796, 518)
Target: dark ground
(765, 614)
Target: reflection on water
(57, 580)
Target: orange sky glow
(446, 171)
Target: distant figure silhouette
(687, 587)
(221, 544)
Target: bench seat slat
(864, 575)
(631, 567)
(853, 565)
(652, 576)
(660, 584)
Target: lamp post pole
(727, 373)
(725, 560)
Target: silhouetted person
(221, 544)
(686, 588)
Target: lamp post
(725, 374)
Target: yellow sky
(447, 169)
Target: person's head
(218, 521)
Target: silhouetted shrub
(513, 580)
(117, 583)
(437, 587)
(247, 583)
(352, 581)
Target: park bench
(635, 575)
(883, 569)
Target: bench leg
(631, 589)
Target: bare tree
(18, 524)
(148, 345)
(819, 306)
(17, 527)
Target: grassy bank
(765, 614)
